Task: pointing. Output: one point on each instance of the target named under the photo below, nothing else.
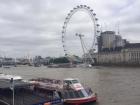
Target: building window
(132, 56)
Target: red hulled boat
(75, 94)
(69, 90)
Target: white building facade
(127, 56)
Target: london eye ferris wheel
(68, 39)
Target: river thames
(114, 85)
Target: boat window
(71, 93)
(84, 92)
(80, 93)
(56, 95)
(76, 94)
(68, 82)
(89, 91)
(75, 81)
(66, 95)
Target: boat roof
(70, 79)
(5, 84)
(23, 97)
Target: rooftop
(108, 32)
(132, 45)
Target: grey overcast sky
(34, 26)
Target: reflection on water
(115, 86)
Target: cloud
(35, 25)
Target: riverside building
(113, 50)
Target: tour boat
(26, 94)
(70, 90)
(75, 94)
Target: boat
(84, 65)
(75, 94)
(70, 90)
(62, 65)
(25, 93)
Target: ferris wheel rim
(67, 19)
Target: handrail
(4, 102)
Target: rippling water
(114, 85)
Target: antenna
(118, 28)
(105, 26)
(101, 28)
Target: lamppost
(13, 90)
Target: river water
(114, 85)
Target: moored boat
(75, 94)
(70, 90)
(25, 93)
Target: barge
(21, 92)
